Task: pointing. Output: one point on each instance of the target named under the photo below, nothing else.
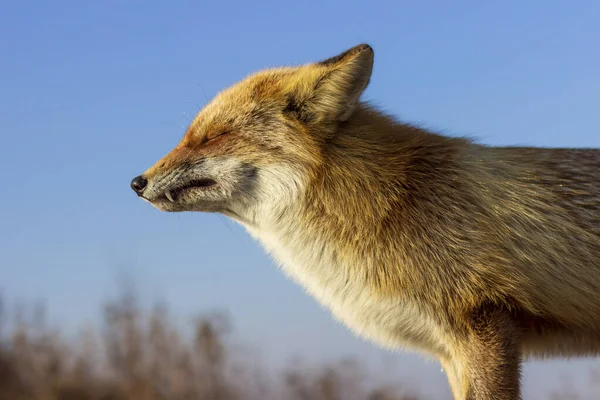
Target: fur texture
(479, 256)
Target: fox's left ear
(329, 90)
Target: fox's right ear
(330, 89)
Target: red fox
(478, 256)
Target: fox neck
(369, 169)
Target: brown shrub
(139, 355)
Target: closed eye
(215, 135)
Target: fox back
(476, 255)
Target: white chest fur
(391, 323)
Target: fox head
(254, 147)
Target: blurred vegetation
(147, 355)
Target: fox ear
(330, 89)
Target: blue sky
(92, 93)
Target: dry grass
(145, 356)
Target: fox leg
(486, 361)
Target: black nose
(138, 184)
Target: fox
(478, 256)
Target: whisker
(222, 218)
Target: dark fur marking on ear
(292, 106)
(340, 57)
(297, 109)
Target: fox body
(476, 255)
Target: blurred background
(105, 297)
